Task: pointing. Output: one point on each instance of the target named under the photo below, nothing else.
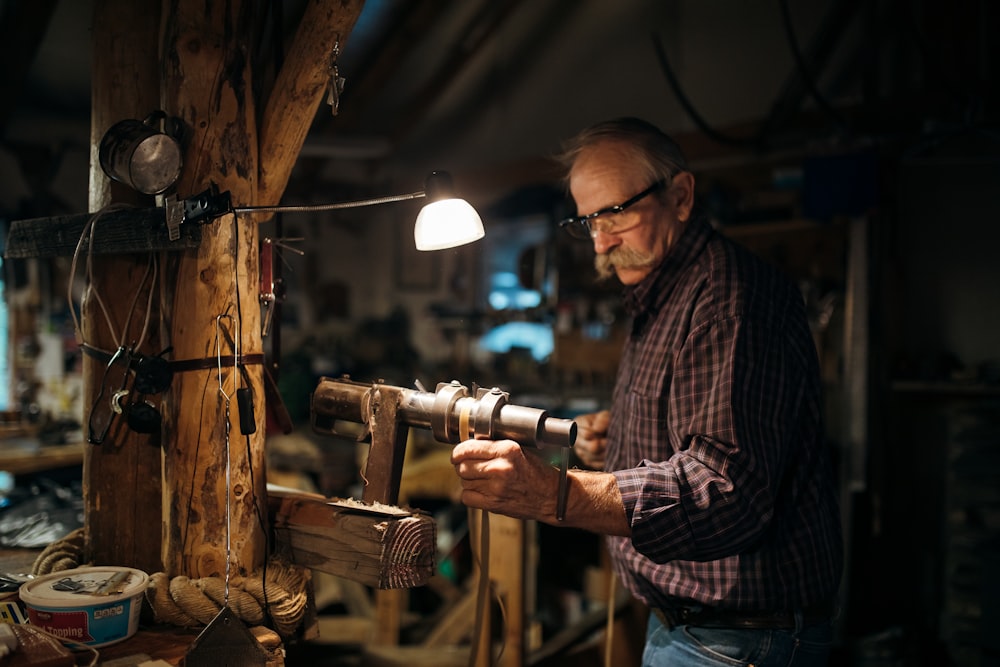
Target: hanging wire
(228, 427)
(87, 235)
(685, 102)
(800, 64)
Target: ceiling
(488, 88)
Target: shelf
(945, 388)
(19, 457)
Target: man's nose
(604, 242)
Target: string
(87, 234)
(482, 592)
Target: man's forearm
(594, 503)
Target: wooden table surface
(21, 456)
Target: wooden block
(377, 545)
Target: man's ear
(681, 194)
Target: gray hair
(650, 148)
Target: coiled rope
(188, 603)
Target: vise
(451, 412)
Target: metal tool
(272, 287)
(451, 412)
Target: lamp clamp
(207, 205)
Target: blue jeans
(693, 646)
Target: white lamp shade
(447, 223)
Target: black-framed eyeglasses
(153, 375)
(585, 227)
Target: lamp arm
(329, 207)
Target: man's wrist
(594, 502)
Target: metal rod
(328, 207)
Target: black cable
(253, 484)
(267, 537)
(689, 107)
(800, 64)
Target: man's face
(602, 176)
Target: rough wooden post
(212, 294)
(121, 476)
(192, 59)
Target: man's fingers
(473, 470)
(470, 450)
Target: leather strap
(184, 365)
(731, 618)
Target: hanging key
(336, 85)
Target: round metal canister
(139, 155)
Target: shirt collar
(648, 295)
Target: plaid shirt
(716, 438)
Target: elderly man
(716, 492)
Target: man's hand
(501, 477)
(591, 439)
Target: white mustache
(621, 258)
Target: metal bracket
(209, 204)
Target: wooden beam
(121, 476)
(412, 20)
(381, 546)
(298, 90)
(478, 31)
(116, 232)
(213, 520)
(830, 34)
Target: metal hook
(218, 348)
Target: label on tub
(93, 605)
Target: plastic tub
(95, 606)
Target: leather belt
(707, 617)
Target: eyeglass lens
(584, 227)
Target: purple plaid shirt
(716, 437)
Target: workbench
(26, 455)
